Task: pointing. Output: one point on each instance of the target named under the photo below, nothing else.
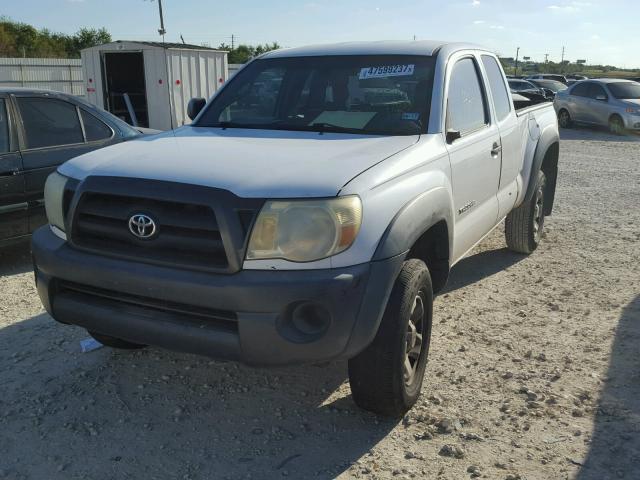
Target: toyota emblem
(142, 226)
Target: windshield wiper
(330, 127)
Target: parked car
(550, 87)
(318, 228)
(527, 90)
(517, 85)
(548, 76)
(611, 103)
(575, 77)
(39, 130)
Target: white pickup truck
(310, 211)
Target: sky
(599, 31)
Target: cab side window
(497, 86)
(466, 105)
(4, 128)
(49, 122)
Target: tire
(564, 119)
(616, 125)
(114, 342)
(386, 377)
(524, 225)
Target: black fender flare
(416, 217)
(548, 138)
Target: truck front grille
(187, 234)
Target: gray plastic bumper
(244, 316)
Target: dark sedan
(39, 130)
(550, 87)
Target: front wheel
(564, 119)
(386, 377)
(616, 125)
(523, 226)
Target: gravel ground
(534, 372)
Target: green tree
(19, 39)
(88, 37)
(244, 53)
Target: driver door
(13, 204)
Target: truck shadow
(478, 267)
(157, 414)
(16, 258)
(615, 444)
(579, 132)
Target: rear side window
(596, 90)
(497, 86)
(4, 127)
(94, 128)
(581, 90)
(466, 108)
(49, 122)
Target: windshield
(625, 90)
(551, 85)
(377, 95)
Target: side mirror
(602, 98)
(195, 106)
(452, 136)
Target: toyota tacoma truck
(309, 212)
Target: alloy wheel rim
(615, 126)
(413, 340)
(564, 119)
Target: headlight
(53, 199)
(305, 230)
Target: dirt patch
(534, 372)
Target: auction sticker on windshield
(387, 71)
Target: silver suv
(609, 102)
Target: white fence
(61, 74)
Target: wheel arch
(423, 229)
(546, 159)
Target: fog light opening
(310, 319)
(304, 322)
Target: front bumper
(632, 122)
(243, 316)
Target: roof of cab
(19, 90)
(385, 47)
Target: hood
(249, 163)
(635, 102)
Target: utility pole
(161, 30)
(562, 61)
(517, 52)
(546, 57)
(233, 41)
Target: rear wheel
(524, 225)
(564, 119)
(114, 342)
(616, 125)
(386, 377)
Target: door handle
(10, 173)
(496, 149)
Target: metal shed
(150, 83)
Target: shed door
(125, 92)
